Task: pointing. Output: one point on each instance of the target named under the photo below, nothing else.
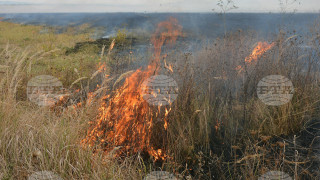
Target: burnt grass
(99, 43)
(306, 143)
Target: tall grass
(217, 127)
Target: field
(217, 127)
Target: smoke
(205, 25)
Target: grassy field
(217, 127)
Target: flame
(168, 66)
(257, 52)
(90, 98)
(125, 121)
(102, 67)
(78, 105)
(167, 111)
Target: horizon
(131, 12)
(152, 6)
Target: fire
(168, 66)
(125, 120)
(165, 119)
(257, 52)
(102, 67)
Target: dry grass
(217, 126)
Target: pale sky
(152, 6)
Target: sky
(27, 6)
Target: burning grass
(126, 121)
(217, 127)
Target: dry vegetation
(217, 126)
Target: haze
(32, 6)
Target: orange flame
(126, 120)
(257, 52)
(168, 66)
(102, 67)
